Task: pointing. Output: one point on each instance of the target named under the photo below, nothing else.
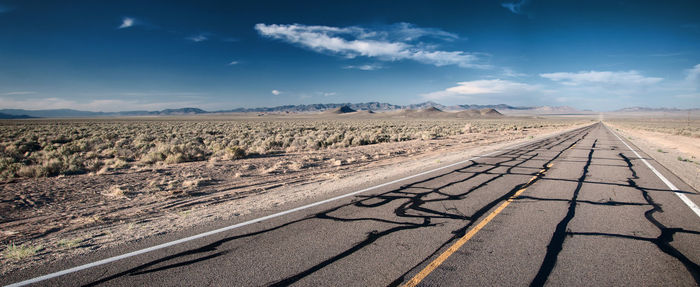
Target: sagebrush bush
(36, 148)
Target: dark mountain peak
(342, 110)
(490, 112)
(432, 110)
(182, 111)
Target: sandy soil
(70, 215)
(680, 154)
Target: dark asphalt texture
(597, 216)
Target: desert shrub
(36, 148)
(17, 252)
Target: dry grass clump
(17, 252)
(195, 182)
(38, 148)
(117, 191)
(69, 243)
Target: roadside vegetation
(13, 251)
(42, 148)
(674, 126)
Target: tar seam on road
(238, 225)
(436, 263)
(668, 183)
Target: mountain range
(646, 109)
(309, 108)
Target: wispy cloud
(693, 74)
(161, 94)
(409, 32)
(609, 90)
(508, 72)
(672, 54)
(18, 93)
(392, 43)
(515, 7)
(328, 94)
(601, 78)
(198, 38)
(366, 67)
(233, 63)
(127, 22)
(478, 89)
(276, 92)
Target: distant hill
(183, 111)
(425, 105)
(369, 106)
(485, 112)
(645, 109)
(68, 113)
(373, 106)
(12, 117)
(542, 110)
(341, 110)
(58, 113)
(429, 112)
(495, 107)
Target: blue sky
(150, 55)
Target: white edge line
(241, 224)
(668, 183)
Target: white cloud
(391, 44)
(515, 7)
(17, 93)
(481, 89)
(366, 67)
(127, 22)
(328, 94)
(693, 75)
(276, 92)
(233, 63)
(409, 32)
(601, 78)
(508, 72)
(198, 38)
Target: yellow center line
(433, 265)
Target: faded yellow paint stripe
(433, 265)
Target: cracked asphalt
(576, 209)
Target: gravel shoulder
(680, 154)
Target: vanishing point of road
(577, 209)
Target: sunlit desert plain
(75, 185)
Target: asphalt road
(578, 209)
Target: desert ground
(71, 186)
(672, 140)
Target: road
(576, 209)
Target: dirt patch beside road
(680, 154)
